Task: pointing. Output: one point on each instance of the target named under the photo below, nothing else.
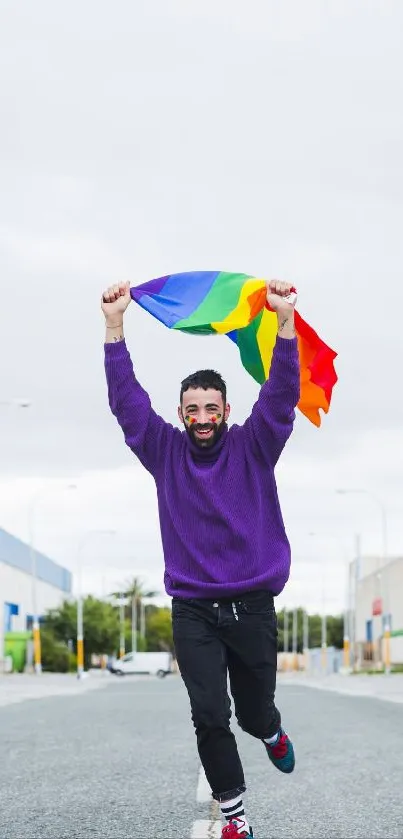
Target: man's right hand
(114, 303)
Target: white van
(153, 664)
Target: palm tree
(133, 590)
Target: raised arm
(271, 421)
(146, 434)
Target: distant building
(53, 584)
(377, 598)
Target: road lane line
(203, 793)
(206, 829)
(209, 828)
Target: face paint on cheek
(189, 420)
(216, 418)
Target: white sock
(234, 809)
(271, 740)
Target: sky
(140, 139)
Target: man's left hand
(277, 294)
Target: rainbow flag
(216, 302)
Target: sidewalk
(20, 687)
(388, 688)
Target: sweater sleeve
(145, 433)
(271, 421)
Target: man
(225, 548)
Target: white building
(53, 584)
(378, 599)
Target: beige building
(376, 599)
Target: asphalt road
(121, 763)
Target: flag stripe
(317, 356)
(249, 350)
(222, 299)
(178, 297)
(246, 309)
(266, 339)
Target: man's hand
(277, 294)
(114, 303)
(281, 299)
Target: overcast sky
(139, 139)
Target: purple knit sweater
(221, 524)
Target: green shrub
(56, 657)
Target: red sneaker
(233, 830)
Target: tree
(101, 626)
(141, 643)
(159, 630)
(133, 590)
(334, 631)
(315, 631)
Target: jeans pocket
(182, 607)
(258, 603)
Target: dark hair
(205, 379)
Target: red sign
(377, 606)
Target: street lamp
(32, 552)
(382, 578)
(80, 621)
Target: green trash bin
(15, 645)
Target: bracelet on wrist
(117, 326)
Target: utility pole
(122, 625)
(347, 623)
(295, 639)
(285, 638)
(134, 624)
(305, 632)
(355, 576)
(142, 619)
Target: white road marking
(203, 788)
(206, 829)
(209, 828)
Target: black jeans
(214, 639)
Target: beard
(214, 432)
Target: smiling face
(203, 414)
